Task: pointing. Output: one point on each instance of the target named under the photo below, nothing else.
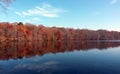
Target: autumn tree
(30, 32)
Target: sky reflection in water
(60, 57)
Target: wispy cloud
(113, 2)
(32, 20)
(38, 67)
(18, 13)
(27, 20)
(37, 19)
(45, 10)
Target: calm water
(89, 57)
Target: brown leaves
(30, 32)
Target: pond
(84, 57)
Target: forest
(30, 32)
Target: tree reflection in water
(18, 50)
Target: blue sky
(90, 14)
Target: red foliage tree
(30, 32)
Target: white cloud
(113, 2)
(18, 13)
(38, 67)
(32, 20)
(27, 20)
(37, 19)
(45, 10)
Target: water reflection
(18, 50)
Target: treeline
(18, 50)
(31, 32)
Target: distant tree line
(31, 32)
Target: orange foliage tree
(30, 32)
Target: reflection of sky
(38, 67)
(92, 61)
(34, 64)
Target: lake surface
(85, 57)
